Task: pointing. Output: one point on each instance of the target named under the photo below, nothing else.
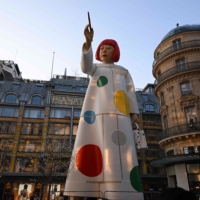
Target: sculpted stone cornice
(164, 110)
(176, 78)
(188, 100)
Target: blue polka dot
(89, 116)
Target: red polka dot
(89, 160)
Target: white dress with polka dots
(104, 161)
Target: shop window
(39, 88)
(59, 129)
(11, 98)
(33, 113)
(36, 100)
(60, 113)
(191, 115)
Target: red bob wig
(116, 53)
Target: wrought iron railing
(177, 69)
(76, 78)
(180, 129)
(186, 92)
(174, 48)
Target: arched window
(36, 100)
(11, 98)
(149, 108)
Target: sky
(31, 30)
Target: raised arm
(87, 55)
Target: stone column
(16, 139)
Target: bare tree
(53, 160)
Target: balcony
(180, 129)
(183, 45)
(186, 92)
(177, 69)
(164, 160)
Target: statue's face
(105, 53)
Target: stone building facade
(176, 68)
(37, 116)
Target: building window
(177, 44)
(33, 113)
(60, 113)
(191, 114)
(15, 86)
(7, 127)
(31, 129)
(5, 163)
(9, 112)
(63, 87)
(59, 129)
(29, 145)
(149, 108)
(80, 89)
(75, 128)
(36, 100)
(25, 165)
(39, 88)
(11, 98)
(185, 88)
(169, 153)
(180, 64)
(77, 113)
(165, 122)
(145, 97)
(162, 98)
(191, 149)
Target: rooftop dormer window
(36, 100)
(11, 98)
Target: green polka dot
(102, 81)
(135, 179)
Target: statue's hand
(134, 118)
(88, 36)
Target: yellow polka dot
(121, 102)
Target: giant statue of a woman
(104, 163)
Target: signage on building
(68, 100)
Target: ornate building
(38, 124)
(37, 117)
(176, 68)
(150, 122)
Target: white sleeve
(131, 94)
(87, 65)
